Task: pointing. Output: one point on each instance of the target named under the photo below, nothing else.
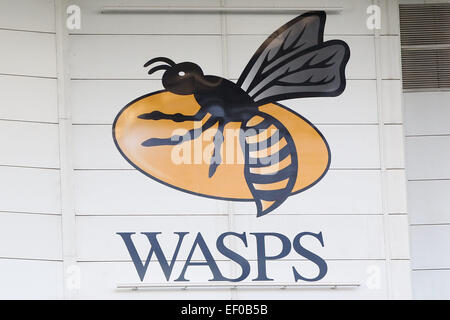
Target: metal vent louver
(425, 37)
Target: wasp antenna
(159, 59)
(157, 68)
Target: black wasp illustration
(294, 62)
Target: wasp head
(179, 78)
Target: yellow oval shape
(228, 183)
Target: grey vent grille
(425, 37)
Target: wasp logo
(294, 62)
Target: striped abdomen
(271, 162)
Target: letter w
(156, 248)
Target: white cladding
(428, 155)
(360, 205)
(427, 132)
(30, 214)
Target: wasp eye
(181, 73)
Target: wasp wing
(271, 163)
(294, 62)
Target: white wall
(106, 72)
(428, 171)
(363, 194)
(30, 220)
(428, 155)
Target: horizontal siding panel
(400, 277)
(394, 149)
(428, 157)
(101, 279)
(94, 147)
(427, 113)
(352, 147)
(391, 98)
(31, 15)
(352, 20)
(28, 99)
(429, 202)
(389, 17)
(398, 237)
(123, 57)
(25, 279)
(17, 46)
(97, 238)
(305, 4)
(390, 57)
(429, 246)
(29, 190)
(396, 199)
(94, 22)
(360, 66)
(29, 144)
(431, 284)
(339, 192)
(282, 3)
(356, 105)
(99, 101)
(357, 238)
(30, 236)
(338, 272)
(131, 192)
(362, 230)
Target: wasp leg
(177, 117)
(177, 139)
(216, 158)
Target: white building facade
(65, 190)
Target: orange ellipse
(228, 183)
